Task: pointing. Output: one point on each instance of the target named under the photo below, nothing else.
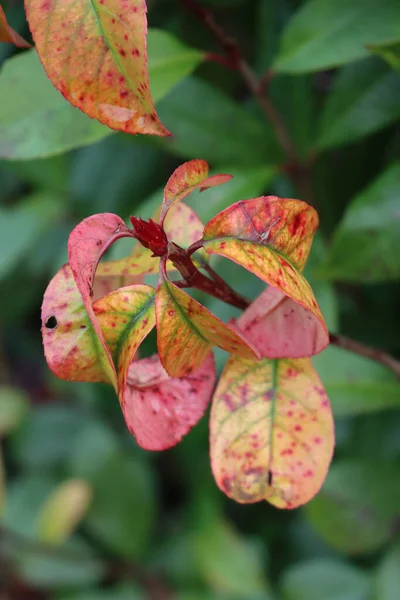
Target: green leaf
(229, 563)
(357, 508)
(364, 99)
(324, 34)
(356, 385)
(322, 579)
(13, 408)
(36, 121)
(387, 576)
(207, 123)
(21, 227)
(366, 245)
(389, 52)
(121, 592)
(122, 512)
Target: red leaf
(95, 54)
(160, 410)
(185, 179)
(279, 327)
(7, 33)
(87, 242)
(271, 431)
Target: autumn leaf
(271, 237)
(94, 52)
(185, 179)
(279, 327)
(86, 244)
(271, 431)
(158, 409)
(181, 225)
(186, 331)
(71, 343)
(7, 33)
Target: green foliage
(336, 83)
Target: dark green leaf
(364, 99)
(387, 577)
(325, 34)
(389, 52)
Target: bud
(151, 235)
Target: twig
(373, 353)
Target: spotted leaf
(7, 33)
(86, 244)
(271, 431)
(186, 331)
(94, 52)
(185, 179)
(159, 410)
(72, 346)
(280, 328)
(270, 237)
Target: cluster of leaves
(80, 497)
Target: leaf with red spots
(181, 225)
(271, 237)
(160, 410)
(185, 179)
(186, 331)
(280, 328)
(71, 344)
(86, 244)
(94, 52)
(7, 33)
(271, 431)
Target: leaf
(323, 579)
(14, 405)
(86, 244)
(363, 100)
(357, 508)
(271, 432)
(324, 34)
(271, 237)
(230, 563)
(71, 343)
(22, 226)
(160, 410)
(280, 328)
(181, 225)
(387, 577)
(122, 514)
(185, 179)
(186, 331)
(95, 54)
(63, 510)
(7, 33)
(196, 110)
(51, 125)
(356, 385)
(366, 244)
(390, 52)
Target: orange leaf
(160, 410)
(94, 52)
(271, 432)
(185, 179)
(284, 225)
(279, 327)
(7, 33)
(186, 331)
(268, 236)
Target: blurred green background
(85, 513)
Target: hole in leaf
(51, 323)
